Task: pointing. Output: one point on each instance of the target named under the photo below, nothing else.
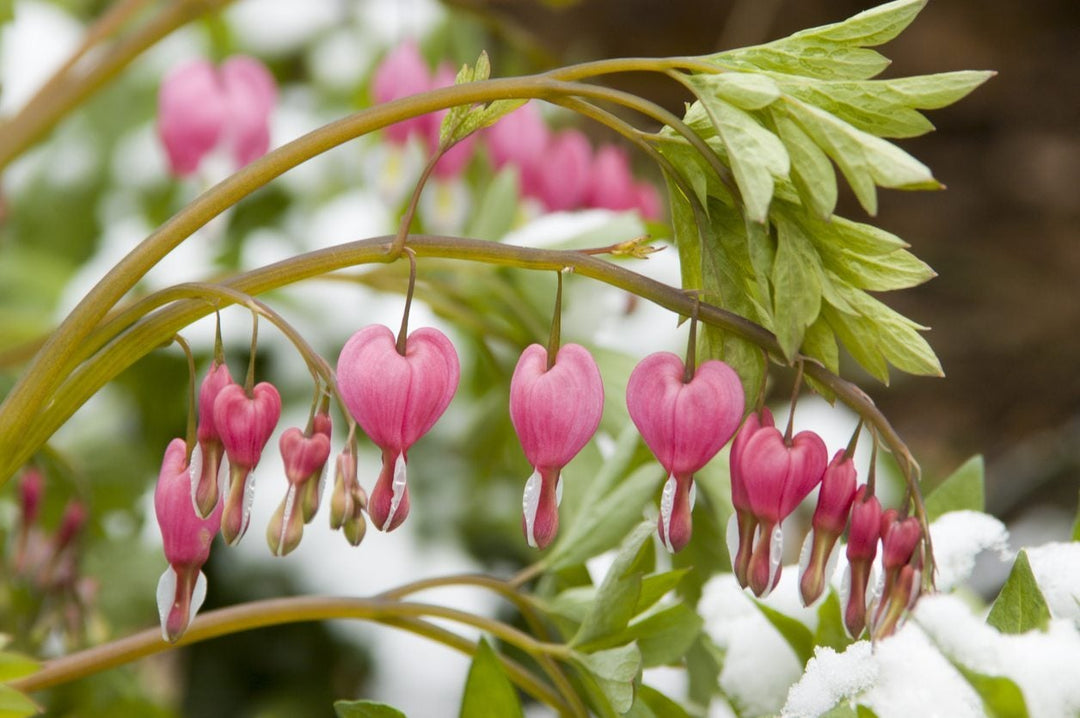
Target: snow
(1057, 571)
(958, 538)
(831, 677)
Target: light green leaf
(745, 90)
(488, 692)
(1001, 697)
(482, 70)
(797, 635)
(656, 586)
(808, 57)
(830, 629)
(687, 238)
(366, 709)
(1020, 607)
(15, 665)
(929, 92)
(819, 342)
(665, 636)
(614, 671)
(14, 704)
(867, 105)
(498, 206)
(761, 248)
(617, 596)
(811, 171)
(859, 337)
(704, 661)
(796, 280)
(963, 490)
(869, 28)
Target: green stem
(556, 324)
(403, 333)
(190, 436)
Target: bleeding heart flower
(742, 526)
(830, 518)
(563, 179)
(245, 424)
(349, 501)
(684, 424)
(403, 72)
(777, 474)
(207, 478)
(612, 182)
(862, 547)
(304, 456)
(555, 412)
(201, 108)
(186, 538)
(396, 399)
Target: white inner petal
(249, 499)
(776, 554)
(166, 594)
(693, 494)
(558, 490)
(398, 489)
(733, 538)
(195, 473)
(290, 505)
(530, 504)
(667, 504)
(845, 596)
(804, 554)
(197, 596)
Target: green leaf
(807, 57)
(14, 704)
(656, 586)
(1020, 607)
(797, 635)
(366, 709)
(15, 665)
(930, 92)
(869, 28)
(858, 337)
(602, 523)
(704, 661)
(687, 238)
(796, 280)
(617, 595)
(665, 636)
(819, 342)
(755, 153)
(830, 629)
(963, 490)
(659, 704)
(614, 671)
(488, 692)
(1001, 697)
(498, 206)
(745, 90)
(811, 171)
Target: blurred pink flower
(201, 109)
(563, 179)
(611, 184)
(403, 72)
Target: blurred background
(1005, 310)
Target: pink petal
(612, 183)
(520, 138)
(245, 424)
(192, 113)
(564, 177)
(401, 73)
(808, 460)
(185, 536)
(555, 412)
(251, 93)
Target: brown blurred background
(1004, 238)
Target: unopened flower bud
(743, 525)
(207, 476)
(31, 488)
(684, 424)
(830, 518)
(862, 545)
(555, 413)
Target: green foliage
(830, 629)
(797, 635)
(365, 709)
(1001, 697)
(462, 120)
(613, 672)
(963, 490)
(780, 116)
(15, 705)
(488, 692)
(1020, 606)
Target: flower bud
(861, 550)
(396, 399)
(186, 539)
(611, 181)
(31, 488)
(312, 490)
(830, 518)
(207, 477)
(743, 525)
(684, 424)
(349, 501)
(562, 181)
(402, 72)
(519, 138)
(304, 457)
(555, 412)
(245, 425)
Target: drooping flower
(563, 179)
(304, 456)
(201, 108)
(862, 547)
(245, 424)
(611, 184)
(555, 412)
(519, 139)
(349, 501)
(207, 477)
(403, 72)
(899, 539)
(396, 399)
(778, 474)
(186, 538)
(743, 524)
(684, 423)
(830, 518)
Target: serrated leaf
(15, 665)
(963, 490)
(1001, 697)
(1020, 607)
(14, 704)
(366, 709)
(811, 171)
(797, 635)
(745, 90)
(796, 280)
(488, 691)
(617, 595)
(614, 671)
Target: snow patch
(1057, 571)
(959, 537)
(831, 677)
